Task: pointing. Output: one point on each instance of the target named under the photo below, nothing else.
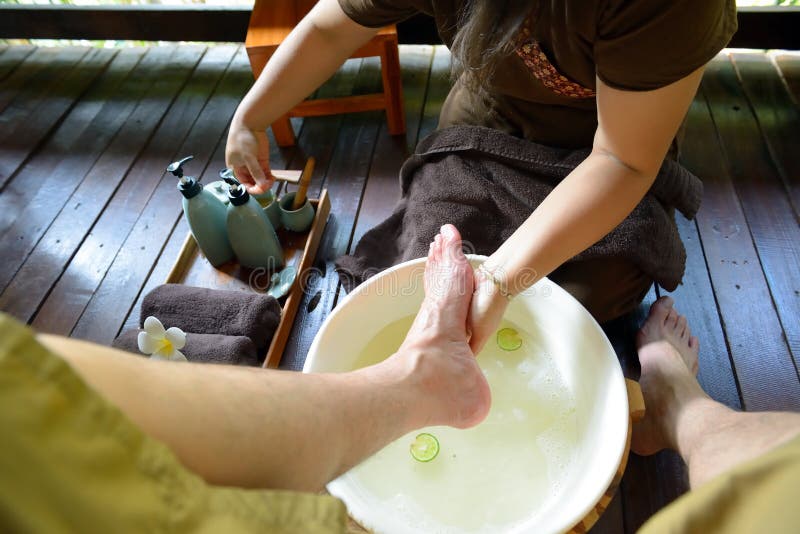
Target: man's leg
(710, 437)
(259, 428)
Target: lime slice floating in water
(425, 447)
(508, 339)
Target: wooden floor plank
(425, 90)
(695, 299)
(382, 190)
(652, 483)
(120, 213)
(24, 88)
(789, 65)
(71, 150)
(20, 138)
(313, 134)
(779, 121)
(317, 137)
(771, 220)
(122, 181)
(45, 184)
(160, 270)
(114, 190)
(23, 73)
(778, 115)
(345, 181)
(65, 219)
(35, 81)
(114, 298)
(12, 57)
(763, 364)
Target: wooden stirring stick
(305, 179)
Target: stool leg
(282, 130)
(393, 88)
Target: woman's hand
(247, 153)
(485, 313)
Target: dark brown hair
(486, 33)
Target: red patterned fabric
(536, 60)
(541, 68)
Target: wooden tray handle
(287, 176)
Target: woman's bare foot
(449, 383)
(668, 355)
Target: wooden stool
(271, 22)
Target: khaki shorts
(762, 495)
(72, 462)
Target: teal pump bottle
(251, 234)
(205, 215)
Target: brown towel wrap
(487, 183)
(213, 311)
(203, 348)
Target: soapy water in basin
(490, 477)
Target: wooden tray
(299, 249)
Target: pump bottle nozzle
(237, 194)
(176, 167)
(187, 185)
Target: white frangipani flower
(161, 344)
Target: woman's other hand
(247, 153)
(486, 311)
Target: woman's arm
(634, 132)
(312, 52)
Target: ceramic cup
(273, 212)
(269, 203)
(296, 220)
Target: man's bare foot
(451, 385)
(668, 355)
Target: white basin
(563, 329)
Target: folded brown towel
(203, 348)
(214, 311)
(486, 183)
